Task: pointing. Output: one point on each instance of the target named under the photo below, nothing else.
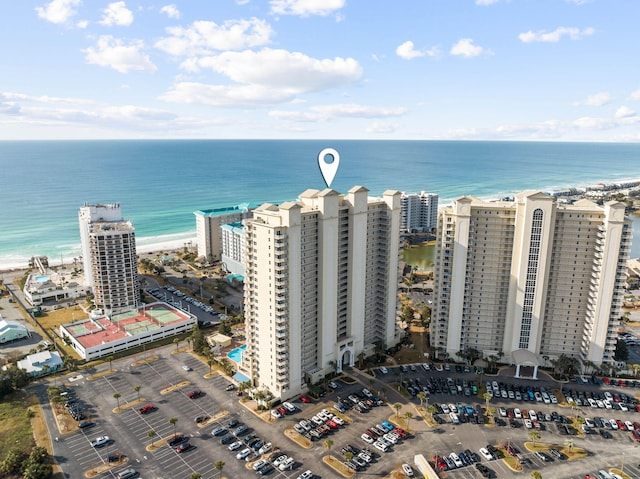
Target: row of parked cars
(602, 400)
(520, 392)
(384, 436)
(284, 410)
(319, 425)
(357, 459)
(204, 307)
(468, 458)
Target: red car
(305, 399)
(401, 432)
(146, 408)
(440, 464)
(283, 411)
(621, 425)
(332, 424)
(194, 394)
(636, 435)
(185, 446)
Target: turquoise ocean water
(161, 183)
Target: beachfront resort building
(109, 257)
(530, 278)
(233, 248)
(321, 276)
(208, 223)
(12, 331)
(418, 211)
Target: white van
(383, 370)
(454, 418)
(127, 474)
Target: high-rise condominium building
(419, 211)
(233, 248)
(531, 277)
(109, 257)
(321, 276)
(208, 223)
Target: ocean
(159, 184)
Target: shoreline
(16, 262)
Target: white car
(380, 446)
(234, 446)
(503, 412)
(528, 424)
(406, 468)
(614, 424)
(243, 454)
(426, 367)
(445, 408)
(517, 413)
(456, 459)
(333, 385)
(186, 368)
(306, 474)
(286, 464)
(265, 449)
(289, 407)
(100, 441)
(338, 420)
(367, 438)
(486, 454)
(279, 460)
(532, 415)
(259, 464)
(275, 413)
(383, 370)
(629, 425)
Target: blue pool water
(41, 279)
(236, 354)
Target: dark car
(228, 439)
(196, 393)
(265, 470)
(177, 440)
(199, 419)
(240, 430)
(232, 423)
(86, 424)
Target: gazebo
(524, 357)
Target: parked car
(100, 441)
(146, 408)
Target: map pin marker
(330, 169)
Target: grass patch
(538, 446)
(617, 471)
(573, 453)
(338, 466)
(512, 462)
(16, 425)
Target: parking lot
(128, 430)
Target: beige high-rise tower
(109, 257)
(321, 276)
(530, 275)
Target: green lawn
(16, 427)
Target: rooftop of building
(92, 332)
(108, 226)
(237, 227)
(227, 210)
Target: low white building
(45, 287)
(41, 363)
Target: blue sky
(371, 69)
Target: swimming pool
(41, 279)
(236, 354)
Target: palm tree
(196, 475)
(536, 475)
(421, 396)
(151, 435)
(348, 456)
(333, 367)
(210, 362)
(137, 389)
(397, 406)
(110, 359)
(328, 443)
(534, 436)
(432, 410)
(569, 443)
(487, 397)
(117, 397)
(173, 422)
(408, 416)
(176, 341)
(361, 357)
(219, 465)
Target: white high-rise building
(208, 223)
(109, 257)
(530, 278)
(419, 211)
(321, 278)
(233, 248)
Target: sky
(539, 70)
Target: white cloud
(591, 123)
(203, 37)
(82, 24)
(465, 48)
(624, 112)
(597, 99)
(171, 11)
(58, 11)
(556, 35)
(578, 2)
(242, 2)
(114, 53)
(635, 95)
(265, 77)
(408, 52)
(486, 2)
(340, 110)
(117, 14)
(305, 8)
(281, 69)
